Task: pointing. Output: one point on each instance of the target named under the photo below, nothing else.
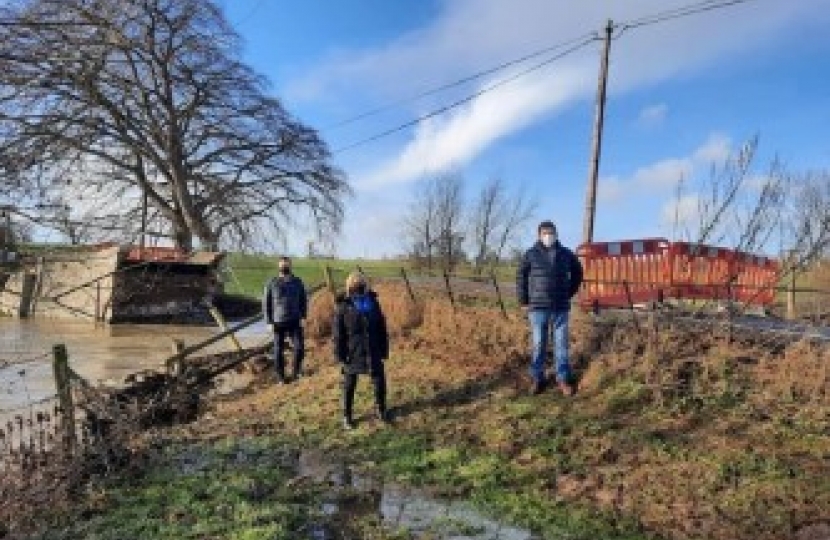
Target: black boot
(384, 416)
(349, 385)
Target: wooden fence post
(498, 293)
(223, 325)
(175, 364)
(60, 368)
(631, 307)
(791, 297)
(449, 289)
(408, 285)
(329, 280)
(98, 315)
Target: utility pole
(596, 147)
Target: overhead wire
(659, 17)
(461, 81)
(467, 98)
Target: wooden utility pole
(596, 147)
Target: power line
(250, 14)
(464, 80)
(675, 13)
(683, 11)
(466, 99)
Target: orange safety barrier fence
(653, 269)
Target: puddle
(356, 495)
(352, 496)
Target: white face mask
(548, 240)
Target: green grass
(247, 274)
(236, 489)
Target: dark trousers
(350, 385)
(292, 331)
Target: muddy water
(354, 495)
(102, 354)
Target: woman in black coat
(361, 344)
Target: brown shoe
(566, 389)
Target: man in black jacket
(285, 306)
(548, 277)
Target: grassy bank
(673, 434)
(248, 274)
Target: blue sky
(683, 94)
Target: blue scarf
(363, 303)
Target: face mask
(548, 240)
(285, 270)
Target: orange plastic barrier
(653, 269)
(629, 271)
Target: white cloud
(716, 149)
(441, 143)
(680, 211)
(653, 115)
(664, 175)
(470, 35)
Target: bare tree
(449, 193)
(806, 227)
(750, 211)
(149, 96)
(495, 218)
(520, 209)
(420, 227)
(487, 215)
(433, 226)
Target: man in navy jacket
(285, 306)
(548, 277)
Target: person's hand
(525, 308)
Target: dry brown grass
(678, 428)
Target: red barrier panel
(160, 254)
(754, 278)
(639, 271)
(700, 272)
(618, 273)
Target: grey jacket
(284, 300)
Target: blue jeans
(540, 322)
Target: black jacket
(548, 278)
(361, 342)
(284, 300)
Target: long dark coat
(361, 341)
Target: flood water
(398, 507)
(100, 353)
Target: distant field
(247, 274)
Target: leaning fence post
(449, 289)
(631, 307)
(175, 364)
(98, 316)
(408, 285)
(60, 368)
(498, 293)
(329, 280)
(223, 325)
(791, 297)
